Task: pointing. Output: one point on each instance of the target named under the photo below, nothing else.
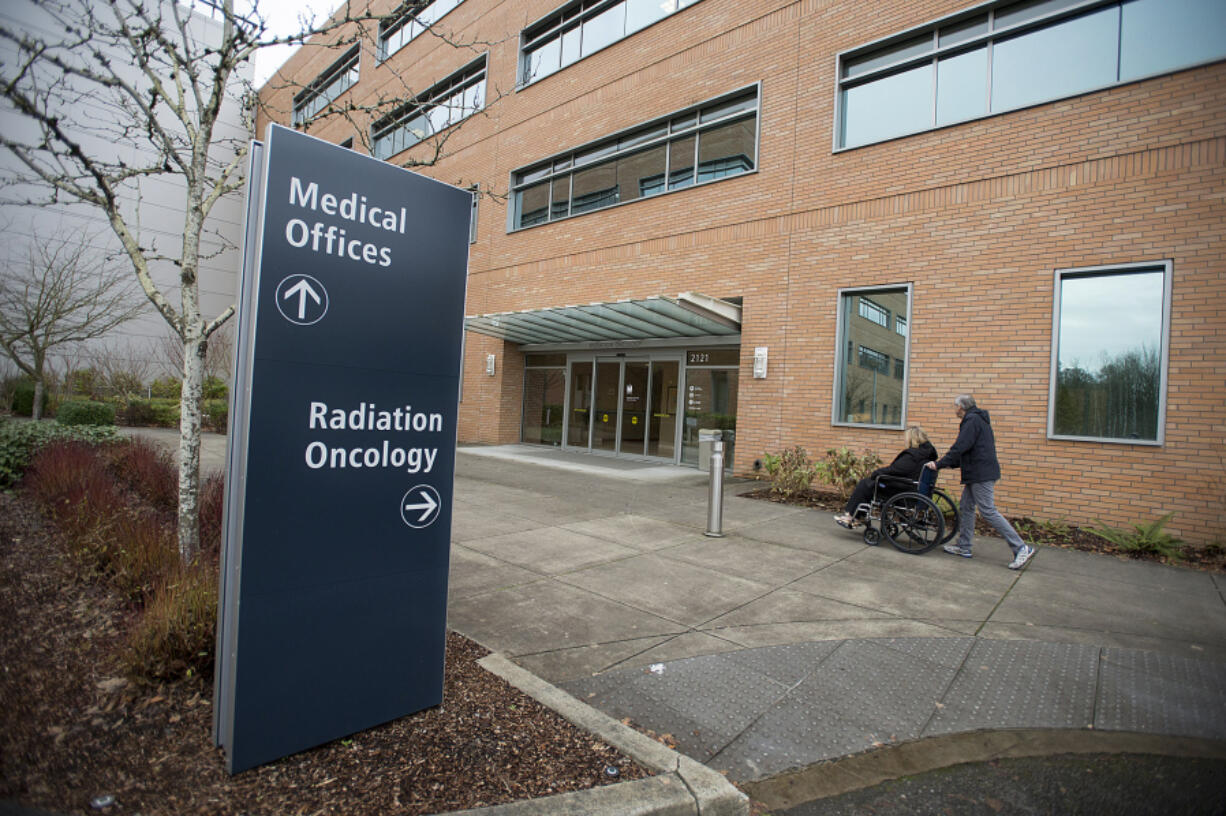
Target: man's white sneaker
(1023, 555)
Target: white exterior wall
(155, 207)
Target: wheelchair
(915, 517)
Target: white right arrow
(303, 290)
(426, 508)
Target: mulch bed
(1065, 536)
(73, 729)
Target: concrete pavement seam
(713, 795)
(787, 691)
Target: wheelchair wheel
(912, 523)
(872, 536)
(949, 512)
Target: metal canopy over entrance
(687, 315)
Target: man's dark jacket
(909, 463)
(974, 451)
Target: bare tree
(218, 358)
(65, 293)
(162, 85)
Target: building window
(584, 27)
(868, 391)
(874, 360)
(405, 23)
(1010, 55)
(347, 144)
(716, 140)
(340, 77)
(874, 312)
(455, 98)
(1111, 331)
(900, 325)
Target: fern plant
(1146, 537)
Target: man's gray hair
(964, 401)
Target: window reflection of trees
(1119, 401)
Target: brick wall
(976, 217)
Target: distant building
(156, 204)
(885, 204)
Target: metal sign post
(342, 453)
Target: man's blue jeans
(981, 495)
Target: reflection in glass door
(634, 408)
(606, 405)
(580, 423)
(626, 407)
(662, 433)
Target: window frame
(1166, 266)
(403, 17)
(457, 82)
(567, 17)
(316, 87)
(568, 162)
(840, 341)
(933, 55)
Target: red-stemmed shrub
(125, 532)
(211, 507)
(175, 637)
(149, 469)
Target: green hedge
(85, 412)
(23, 399)
(159, 413)
(215, 388)
(217, 414)
(167, 388)
(19, 440)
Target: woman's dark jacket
(909, 463)
(974, 451)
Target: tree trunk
(189, 446)
(38, 399)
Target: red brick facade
(975, 217)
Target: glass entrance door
(626, 407)
(634, 408)
(662, 423)
(579, 416)
(606, 403)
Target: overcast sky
(283, 18)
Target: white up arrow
(426, 509)
(303, 290)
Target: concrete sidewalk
(789, 642)
(789, 645)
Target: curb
(682, 787)
(839, 776)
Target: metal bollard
(715, 493)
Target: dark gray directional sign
(343, 451)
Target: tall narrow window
(1109, 353)
(868, 389)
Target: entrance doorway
(625, 406)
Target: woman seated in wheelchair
(907, 465)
